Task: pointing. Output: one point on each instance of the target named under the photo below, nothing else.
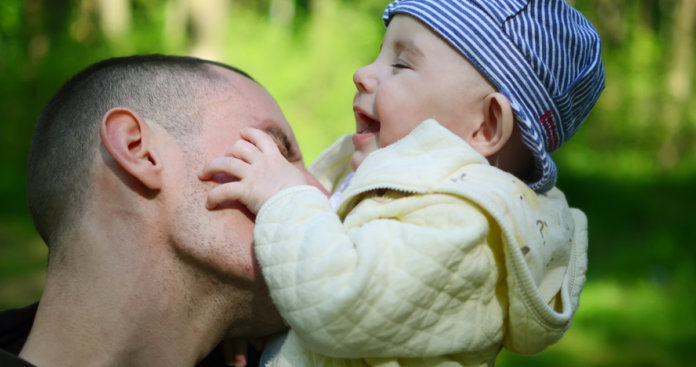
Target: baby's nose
(364, 79)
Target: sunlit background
(631, 167)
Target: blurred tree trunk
(288, 12)
(678, 82)
(114, 17)
(282, 11)
(204, 21)
(175, 23)
(209, 24)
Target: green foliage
(631, 167)
(636, 307)
(310, 77)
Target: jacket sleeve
(403, 275)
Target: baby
(447, 239)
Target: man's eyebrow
(286, 148)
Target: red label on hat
(549, 124)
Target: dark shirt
(15, 326)
(14, 329)
(11, 360)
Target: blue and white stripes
(542, 54)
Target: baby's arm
(260, 167)
(412, 278)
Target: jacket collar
(421, 159)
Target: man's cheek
(311, 180)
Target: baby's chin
(357, 158)
(364, 144)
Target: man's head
(115, 160)
(162, 89)
(113, 189)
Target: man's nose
(365, 79)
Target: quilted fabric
(435, 258)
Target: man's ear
(495, 127)
(130, 141)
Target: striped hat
(543, 55)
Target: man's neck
(122, 315)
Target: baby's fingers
(235, 352)
(260, 139)
(244, 150)
(231, 191)
(229, 166)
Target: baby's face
(416, 76)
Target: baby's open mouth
(366, 124)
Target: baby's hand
(260, 167)
(236, 350)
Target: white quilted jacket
(434, 259)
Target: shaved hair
(166, 90)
